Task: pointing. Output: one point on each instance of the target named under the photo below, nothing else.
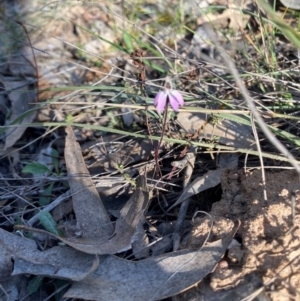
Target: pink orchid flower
(168, 96)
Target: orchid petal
(157, 97)
(176, 100)
(160, 101)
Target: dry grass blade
(97, 68)
(232, 68)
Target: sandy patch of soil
(269, 248)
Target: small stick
(293, 207)
(184, 206)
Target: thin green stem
(161, 137)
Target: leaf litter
(114, 278)
(22, 102)
(90, 213)
(132, 226)
(92, 278)
(161, 272)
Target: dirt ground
(268, 244)
(262, 263)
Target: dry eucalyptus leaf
(62, 210)
(89, 209)
(130, 217)
(140, 247)
(9, 244)
(69, 264)
(226, 131)
(228, 160)
(211, 179)
(22, 100)
(161, 246)
(65, 262)
(10, 289)
(295, 4)
(154, 278)
(114, 279)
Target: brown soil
(270, 244)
